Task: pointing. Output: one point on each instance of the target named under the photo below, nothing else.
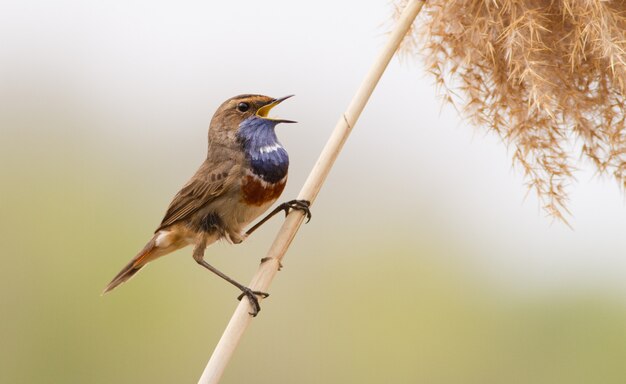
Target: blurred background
(425, 260)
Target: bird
(244, 173)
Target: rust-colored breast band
(257, 192)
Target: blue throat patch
(267, 157)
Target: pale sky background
(117, 96)
(152, 73)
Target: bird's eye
(242, 107)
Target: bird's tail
(147, 254)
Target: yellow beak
(265, 110)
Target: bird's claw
(266, 259)
(300, 205)
(254, 301)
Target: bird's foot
(266, 259)
(254, 301)
(300, 205)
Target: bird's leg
(301, 205)
(198, 255)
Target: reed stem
(267, 270)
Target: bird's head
(241, 111)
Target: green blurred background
(424, 261)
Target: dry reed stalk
(267, 270)
(547, 76)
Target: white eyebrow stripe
(270, 148)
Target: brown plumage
(244, 173)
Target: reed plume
(547, 76)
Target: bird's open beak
(264, 110)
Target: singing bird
(244, 173)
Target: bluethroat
(244, 173)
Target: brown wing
(207, 184)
